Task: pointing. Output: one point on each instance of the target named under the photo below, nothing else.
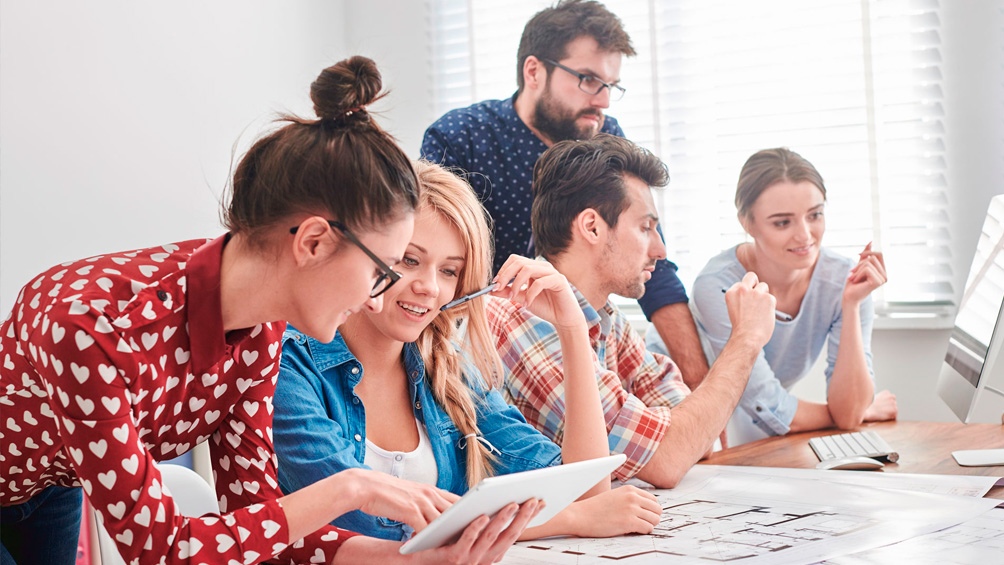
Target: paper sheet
(723, 514)
(979, 540)
(958, 485)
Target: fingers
(866, 258)
(522, 273)
(472, 534)
(502, 531)
(527, 511)
(426, 503)
(871, 268)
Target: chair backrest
(191, 493)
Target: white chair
(190, 491)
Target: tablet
(558, 486)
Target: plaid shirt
(637, 387)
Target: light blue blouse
(767, 407)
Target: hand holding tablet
(556, 486)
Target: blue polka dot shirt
(491, 143)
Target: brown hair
(548, 33)
(767, 167)
(576, 175)
(455, 202)
(342, 165)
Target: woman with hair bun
(111, 363)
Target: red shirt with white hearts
(117, 361)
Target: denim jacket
(320, 425)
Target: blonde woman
(395, 391)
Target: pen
(475, 294)
(468, 297)
(777, 313)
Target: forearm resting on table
(851, 390)
(676, 327)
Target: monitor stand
(979, 457)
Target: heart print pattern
(108, 364)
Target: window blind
(853, 86)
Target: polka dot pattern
(102, 374)
(490, 146)
(491, 143)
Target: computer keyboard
(867, 444)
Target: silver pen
(471, 296)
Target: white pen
(472, 295)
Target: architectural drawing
(726, 516)
(978, 540)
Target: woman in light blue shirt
(395, 392)
(822, 298)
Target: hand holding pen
(778, 315)
(751, 305)
(538, 286)
(865, 276)
(468, 297)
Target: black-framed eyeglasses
(387, 276)
(590, 84)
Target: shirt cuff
(637, 432)
(777, 420)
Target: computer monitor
(972, 377)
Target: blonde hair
(455, 201)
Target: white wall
(117, 121)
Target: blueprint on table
(725, 515)
(979, 540)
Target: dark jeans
(43, 530)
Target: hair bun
(347, 85)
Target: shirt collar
(598, 322)
(337, 352)
(508, 113)
(205, 311)
(331, 354)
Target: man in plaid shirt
(594, 218)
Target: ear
(744, 221)
(534, 73)
(313, 242)
(589, 227)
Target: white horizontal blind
(852, 85)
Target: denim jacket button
(355, 400)
(418, 405)
(355, 370)
(358, 437)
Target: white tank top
(418, 465)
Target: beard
(558, 123)
(628, 283)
